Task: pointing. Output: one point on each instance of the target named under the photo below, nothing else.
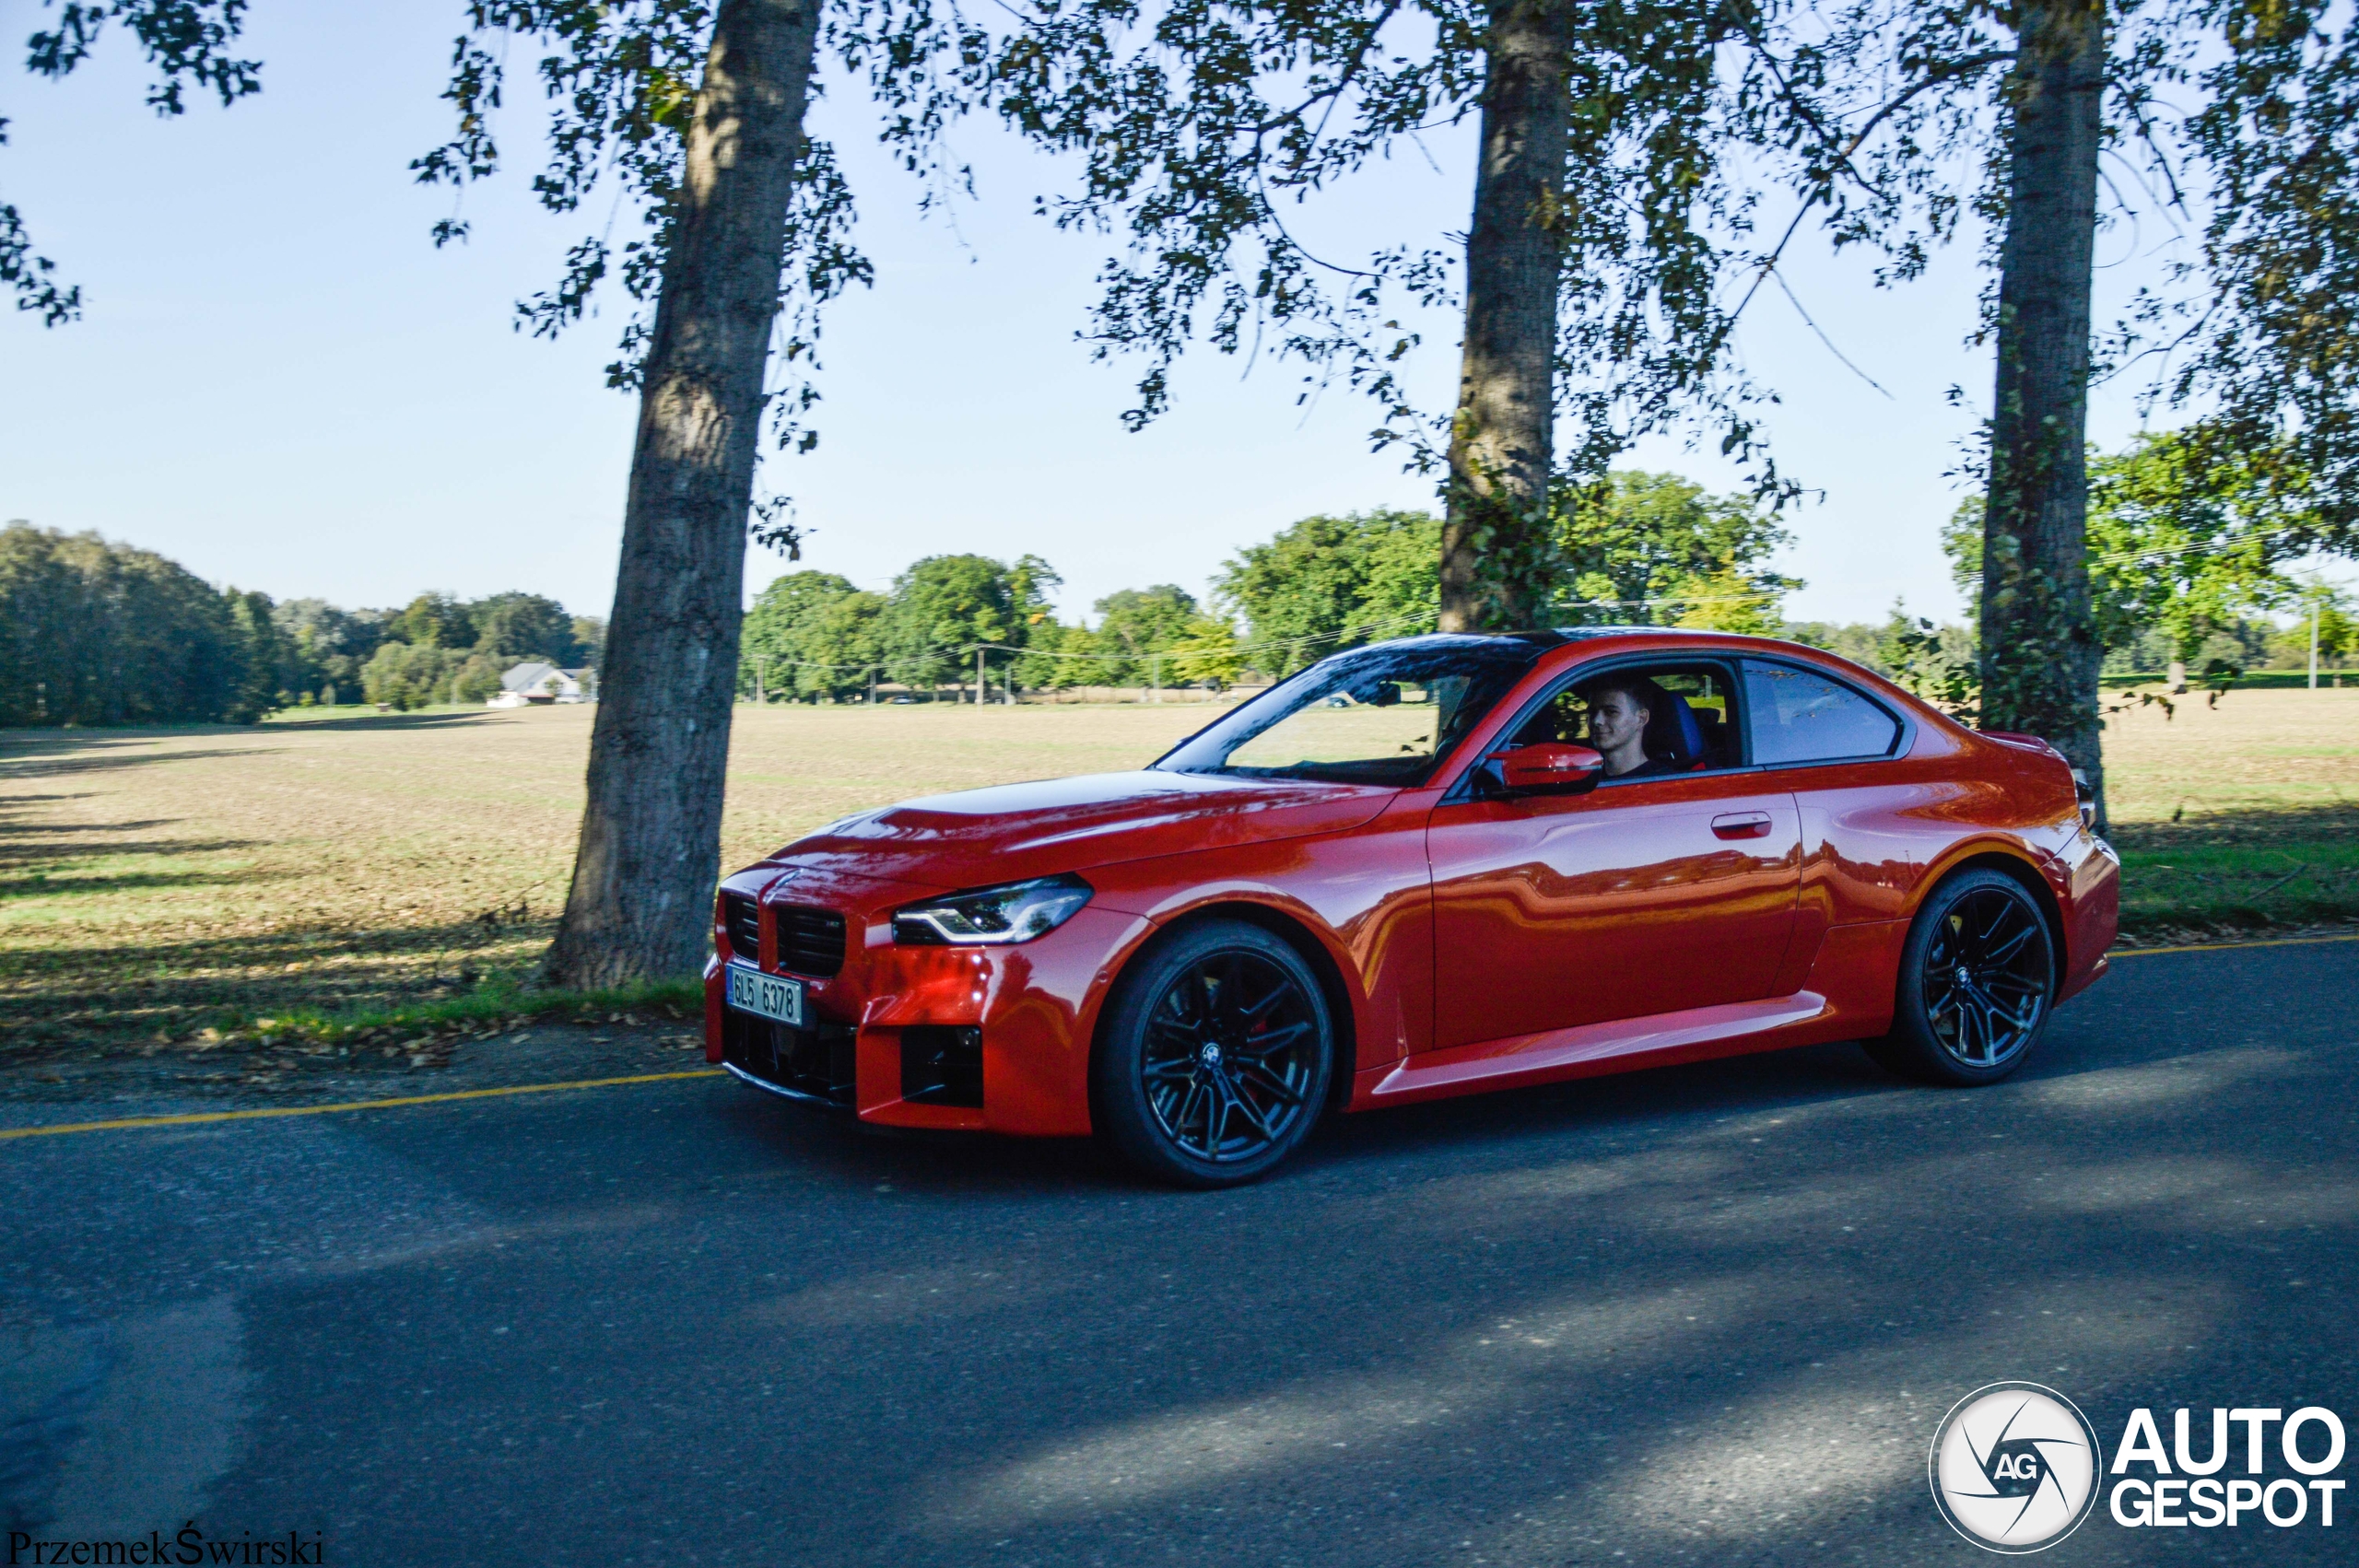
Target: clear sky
(280, 383)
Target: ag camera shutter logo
(2014, 1468)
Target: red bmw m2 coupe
(1429, 867)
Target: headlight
(1015, 911)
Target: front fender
(1364, 900)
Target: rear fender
(2045, 876)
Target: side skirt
(1696, 1034)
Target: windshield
(1382, 715)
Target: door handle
(1742, 825)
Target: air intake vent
(810, 941)
(810, 1064)
(942, 1065)
(742, 919)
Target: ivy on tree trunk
(650, 835)
(2040, 651)
(1495, 539)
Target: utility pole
(2314, 642)
(761, 681)
(1155, 674)
(872, 685)
(979, 674)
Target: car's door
(1643, 896)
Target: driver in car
(1619, 709)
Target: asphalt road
(1704, 1314)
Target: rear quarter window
(1797, 715)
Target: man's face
(1616, 720)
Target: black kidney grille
(742, 918)
(810, 941)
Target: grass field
(2240, 815)
(152, 882)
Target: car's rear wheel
(1976, 979)
(1215, 1058)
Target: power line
(1399, 622)
(2124, 558)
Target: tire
(1188, 1085)
(1978, 981)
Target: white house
(533, 684)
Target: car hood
(1010, 832)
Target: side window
(1693, 732)
(1799, 716)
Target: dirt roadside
(234, 1074)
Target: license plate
(765, 996)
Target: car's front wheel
(1976, 979)
(1214, 1060)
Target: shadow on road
(1708, 1314)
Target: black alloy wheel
(1977, 979)
(1215, 1058)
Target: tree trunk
(1493, 541)
(2040, 655)
(639, 906)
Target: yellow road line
(2226, 946)
(200, 1118)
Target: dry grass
(2255, 752)
(2239, 814)
(150, 881)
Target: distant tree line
(2186, 562)
(1638, 546)
(93, 632)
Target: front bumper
(973, 1038)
